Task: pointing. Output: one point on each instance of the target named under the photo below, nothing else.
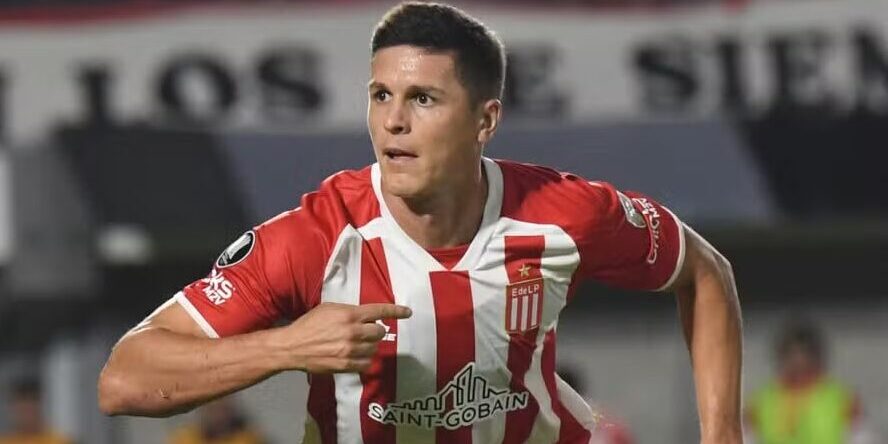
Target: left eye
(423, 99)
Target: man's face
(798, 362)
(422, 123)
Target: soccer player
(424, 290)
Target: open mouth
(398, 154)
(394, 153)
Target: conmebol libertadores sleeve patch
(237, 251)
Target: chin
(403, 187)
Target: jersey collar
(492, 209)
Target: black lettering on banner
(531, 89)
(729, 52)
(797, 61)
(872, 71)
(175, 89)
(289, 83)
(483, 411)
(469, 414)
(667, 71)
(95, 81)
(414, 418)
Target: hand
(334, 338)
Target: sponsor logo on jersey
(218, 289)
(652, 216)
(524, 303)
(237, 251)
(468, 398)
(632, 215)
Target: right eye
(381, 96)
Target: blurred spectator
(219, 422)
(26, 416)
(804, 404)
(608, 429)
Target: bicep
(701, 259)
(172, 316)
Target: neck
(450, 217)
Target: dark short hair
(479, 54)
(801, 334)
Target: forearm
(711, 320)
(156, 372)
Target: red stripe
(322, 406)
(455, 331)
(519, 307)
(571, 430)
(523, 256)
(379, 381)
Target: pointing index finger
(374, 312)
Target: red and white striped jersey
(476, 361)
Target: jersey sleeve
(630, 241)
(271, 273)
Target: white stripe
(342, 284)
(679, 263)
(575, 404)
(417, 335)
(374, 229)
(554, 265)
(547, 424)
(535, 319)
(192, 311)
(513, 313)
(491, 340)
(525, 313)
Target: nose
(397, 121)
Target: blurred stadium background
(138, 138)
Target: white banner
(305, 68)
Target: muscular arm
(166, 365)
(710, 316)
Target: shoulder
(538, 192)
(528, 176)
(343, 198)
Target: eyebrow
(373, 85)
